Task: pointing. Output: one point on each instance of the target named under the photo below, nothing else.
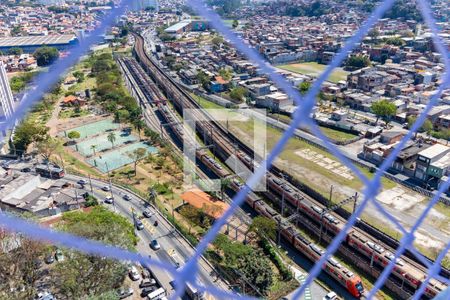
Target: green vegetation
(225, 7)
(45, 56)
(18, 83)
(238, 93)
(315, 69)
(314, 9)
(15, 51)
(137, 155)
(304, 87)
(357, 61)
(248, 262)
(27, 132)
(81, 274)
(73, 113)
(396, 41)
(337, 135)
(384, 109)
(205, 103)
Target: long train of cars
(356, 239)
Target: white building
(6, 97)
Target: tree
(137, 155)
(374, 34)
(226, 74)
(264, 227)
(139, 124)
(396, 41)
(427, 125)
(256, 269)
(203, 78)
(238, 93)
(28, 132)
(235, 23)
(151, 134)
(192, 214)
(48, 147)
(79, 76)
(46, 55)
(111, 138)
(15, 51)
(383, 109)
(121, 115)
(73, 135)
(357, 61)
(217, 41)
(81, 274)
(304, 87)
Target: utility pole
(355, 202)
(90, 183)
(331, 196)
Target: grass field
(314, 69)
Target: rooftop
(37, 40)
(434, 151)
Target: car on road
(330, 296)
(155, 245)
(126, 197)
(146, 213)
(134, 274)
(109, 200)
(82, 182)
(106, 188)
(139, 224)
(125, 292)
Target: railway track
(218, 136)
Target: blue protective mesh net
(301, 116)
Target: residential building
(6, 97)
(431, 164)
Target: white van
(157, 295)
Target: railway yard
(290, 206)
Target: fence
(301, 116)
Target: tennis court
(118, 158)
(93, 128)
(102, 143)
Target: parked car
(146, 213)
(49, 259)
(26, 170)
(124, 292)
(155, 245)
(59, 256)
(148, 290)
(82, 182)
(139, 224)
(330, 296)
(106, 188)
(109, 200)
(147, 283)
(134, 274)
(126, 197)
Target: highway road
(168, 238)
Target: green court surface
(314, 69)
(93, 128)
(118, 158)
(101, 143)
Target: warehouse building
(30, 43)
